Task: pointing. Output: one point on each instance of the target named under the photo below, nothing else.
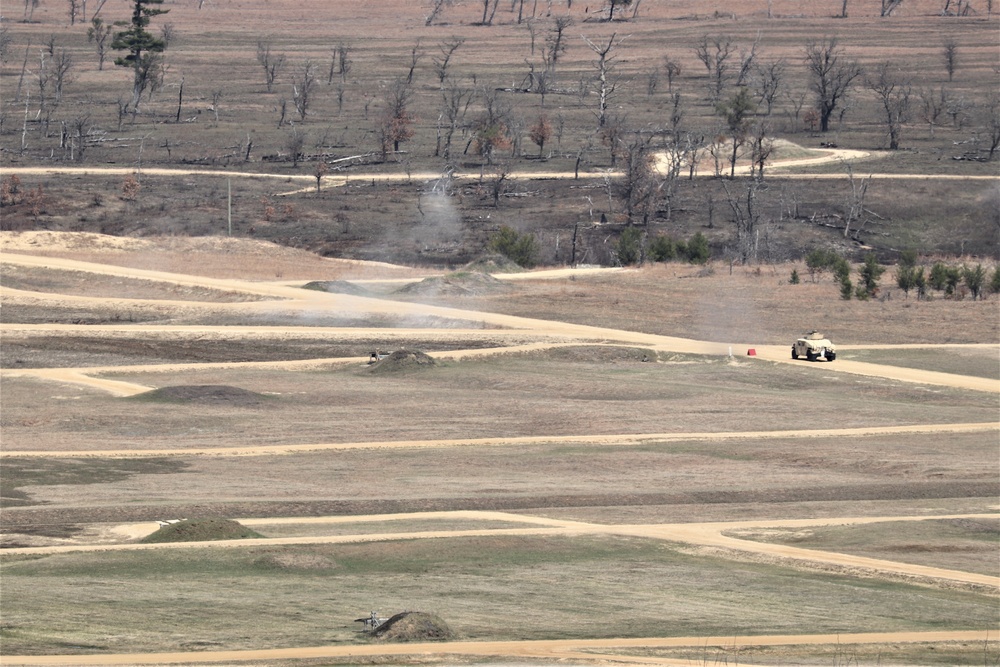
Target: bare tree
(168, 33)
(606, 80)
(769, 82)
(746, 218)
(489, 11)
(216, 98)
(932, 106)
(889, 6)
(81, 127)
(949, 55)
(62, 63)
(271, 62)
(714, 53)
(74, 10)
(454, 106)
(442, 62)
(555, 41)
(98, 33)
(615, 4)
(29, 10)
(492, 131)
(302, 87)
(416, 54)
(761, 147)
(831, 77)
(437, 7)
(672, 69)
(856, 211)
(747, 61)
(640, 185)
(395, 122)
(294, 142)
(737, 112)
(993, 125)
(344, 62)
(893, 91)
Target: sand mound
(401, 360)
(461, 283)
(414, 626)
(494, 263)
(201, 530)
(203, 393)
(337, 287)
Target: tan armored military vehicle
(814, 345)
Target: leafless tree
(641, 185)
(216, 98)
(62, 63)
(489, 11)
(395, 122)
(498, 179)
(344, 62)
(294, 142)
(889, 6)
(714, 53)
(893, 91)
(437, 6)
(856, 211)
(949, 55)
(958, 109)
(29, 10)
(747, 61)
(555, 41)
(98, 33)
(492, 131)
(932, 106)
(672, 69)
(302, 87)
(5, 41)
(761, 144)
(746, 218)
(442, 62)
(271, 62)
(74, 10)
(606, 81)
(80, 126)
(615, 4)
(416, 54)
(993, 125)
(168, 33)
(831, 77)
(454, 106)
(769, 81)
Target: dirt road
(292, 300)
(589, 650)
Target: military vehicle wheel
(811, 356)
(795, 355)
(830, 356)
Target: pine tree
(142, 48)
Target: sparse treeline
(588, 92)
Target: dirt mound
(401, 360)
(201, 530)
(203, 393)
(336, 287)
(460, 283)
(494, 263)
(414, 626)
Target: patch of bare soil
(281, 559)
(204, 394)
(414, 626)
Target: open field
(653, 498)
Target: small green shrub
(870, 272)
(697, 250)
(794, 280)
(974, 278)
(662, 249)
(629, 247)
(521, 249)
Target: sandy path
(583, 439)
(699, 534)
(305, 302)
(555, 649)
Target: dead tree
(714, 53)
(831, 77)
(893, 92)
(606, 80)
(442, 62)
(302, 87)
(271, 62)
(856, 211)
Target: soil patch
(203, 393)
(414, 626)
(336, 287)
(202, 530)
(494, 263)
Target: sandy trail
(612, 440)
(699, 534)
(555, 649)
(304, 302)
